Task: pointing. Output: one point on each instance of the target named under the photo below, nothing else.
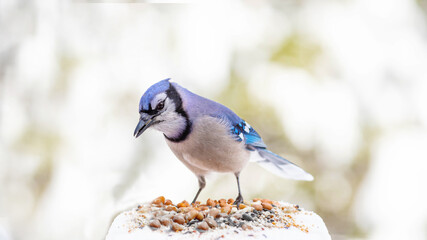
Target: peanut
(165, 221)
(192, 214)
(257, 207)
(155, 224)
(203, 226)
(211, 222)
(200, 216)
(176, 227)
(179, 219)
(213, 212)
(266, 206)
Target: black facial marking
(149, 111)
(152, 111)
(174, 96)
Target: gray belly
(210, 147)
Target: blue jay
(207, 136)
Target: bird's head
(160, 107)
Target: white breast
(210, 147)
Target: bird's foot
(238, 201)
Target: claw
(238, 201)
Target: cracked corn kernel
(222, 203)
(159, 201)
(241, 206)
(170, 208)
(210, 202)
(226, 209)
(183, 204)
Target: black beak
(142, 126)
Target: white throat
(172, 125)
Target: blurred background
(338, 87)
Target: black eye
(160, 106)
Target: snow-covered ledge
(257, 219)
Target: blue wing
(242, 131)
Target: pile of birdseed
(217, 219)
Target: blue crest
(162, 86)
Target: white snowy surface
(124, 227)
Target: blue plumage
(162, 86)
(243, 131)
(207, 136)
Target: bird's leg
(202, 184)
(239, 198)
